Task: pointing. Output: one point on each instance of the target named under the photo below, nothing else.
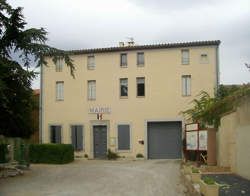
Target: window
(184, 57)
(91, 89)
(124, 60)
(123, 137)
(91, 62)
(186, 85)
(59, 64)
(77, 137)
(140, 59)
(55, 134)
(124, 87)
(59, 90)
(204, 58)
(140, 83)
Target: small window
(140, 83)
(91, 62)
(140, 59)
(59, 90)
(59, 64)
(123, 137)
(77, 137)
(92, 89)
(186, 85)
(123, 87)
(124, 60)
(184, 57)
(55, 134)
(204, 58)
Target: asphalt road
(98, 178)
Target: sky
(81, 24)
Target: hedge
(51, 153)
(3, 152)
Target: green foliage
(188, 164)
(51, 153)
(195, 171)
(209, 181)
(139, 155)
(112, 155)
(3, 152)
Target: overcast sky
(80, 24)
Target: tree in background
(16, 100)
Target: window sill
(124, 151)
(91, 68)
(59, 99)
(186, 95)
(140, 96)
(58, 71)
(140, 65)
(123, 97)
(91, 99)
(123, 66)
(185, 64)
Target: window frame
(123, 97)
(186, 94)
(83, 136)
(121, 63)
(91, 98)
(204, 62)
(138, 63)
(140, 96)
(88, 64)
(60, 125)
(57, 95)
(183, 60)
(130, 137)
(59, 65)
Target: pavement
(98, 178)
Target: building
(127, 98)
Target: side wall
(233, 140)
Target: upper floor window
(55, 134)
(124, 60)
(186, 85)
(59, 90)
(92, 89)
(185, 57)
(59, 64)
(124, 87)
(204, 58)
(140, 59)
(91, 62)
(140, 83)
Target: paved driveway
(98, 178)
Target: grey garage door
(164, 140)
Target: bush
(196, 171)
(139, 155)
(3, 152)
(51, 153)
(209, 181)
(111, 155)
(188, 164)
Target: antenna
(131, 39)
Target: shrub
(188, 164)
(195, 171)
(209, 181)
(3, 152)
(111, 155)
(51, 153)
(139, 155)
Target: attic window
(204, 58)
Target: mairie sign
(96, 110)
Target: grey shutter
(58, 134)
(52, 134)
(73, 136)
(79, 138)
(123, 137)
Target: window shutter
(123, 137)
(58, 134)
(188, 85)
(73, 136)
(79, 138)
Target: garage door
(164, 140)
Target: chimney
(121, 44)
(131, 43)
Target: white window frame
(59, 64)
(91, 92)
(130, 138)
(59, 90)
(91, 65)
(140, 64)
(185, 60)
(201, 60)
(121, 88)
(185, 81)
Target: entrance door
(100, 141)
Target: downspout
(217, 67)
(41, 106)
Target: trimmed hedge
(3, 152)
(51, 153)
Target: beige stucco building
(127, 98)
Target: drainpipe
(217, 67)
(41, 106)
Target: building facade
(128, 99)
